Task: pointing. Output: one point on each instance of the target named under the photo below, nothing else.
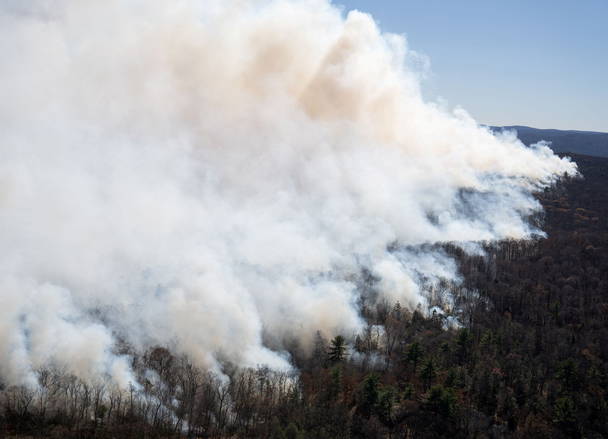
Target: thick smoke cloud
(213, 176)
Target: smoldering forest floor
(531, 361)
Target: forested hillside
(529, 362)
(564, 141)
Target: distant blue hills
(576, 142)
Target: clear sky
(541, 63)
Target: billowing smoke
(214, 176)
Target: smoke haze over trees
(530, 361)
(167, 180)
(242, 218)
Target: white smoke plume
(213, 175)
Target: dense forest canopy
(242, 218)
(530, 359)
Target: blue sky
(542, 63)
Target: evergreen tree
(337, 350)
(428, 373)
(414, 354)
(369, 395)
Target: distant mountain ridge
(591, 143)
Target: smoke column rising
(212, 175)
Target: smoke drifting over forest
(213, 176)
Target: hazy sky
(542, 63)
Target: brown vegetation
(530, 360)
